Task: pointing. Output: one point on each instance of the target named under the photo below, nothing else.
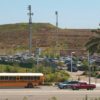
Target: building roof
(21, 74)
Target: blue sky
(72, 13)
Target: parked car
(66, 84)
(83, 85)
(74, 67)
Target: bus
(28, 80)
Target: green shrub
(57, 76)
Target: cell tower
(30, 29)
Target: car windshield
(65, 82)
(70, 82)
(73, 82)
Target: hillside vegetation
(15, 37)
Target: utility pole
(30, 29)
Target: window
(12, 78)
(6, 78)
(36, 78)
(25, 78)
(29, 78)
(1, 77)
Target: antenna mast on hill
(30, 29)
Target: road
(47, 93)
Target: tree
(93, 45)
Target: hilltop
(15, 37)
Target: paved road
(47, 93)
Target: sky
(83, 14)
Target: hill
(15, 37)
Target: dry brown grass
(15, 37)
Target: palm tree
(93, 45)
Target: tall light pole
(30, 29)
(56, 13)
(89, 67)
(72, 61)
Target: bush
(47, 83)
(98, 76)
(57, 76)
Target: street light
(89, 67)
(30, 29)
(72, 60)
(56, 13)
